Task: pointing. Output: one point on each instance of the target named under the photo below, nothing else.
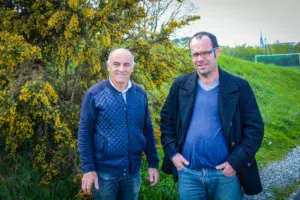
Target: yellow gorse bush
(41, 123)
(52, 51)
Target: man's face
(204, 56)
(120, 67)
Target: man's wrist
(153, 165)
(89, 168)
(171, 157)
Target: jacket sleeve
(252, 130)
(168, 123)
(86, 132)
(150, 149)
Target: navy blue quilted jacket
(113, 134)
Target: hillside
(277, 90)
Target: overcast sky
(239, 21)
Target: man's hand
(227, 169)
(87, 182)
(153, 176)
(178, 160)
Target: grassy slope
(296, 68)
(277, 92)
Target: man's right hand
(178, 160)
(87, 182)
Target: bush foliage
(51, 52)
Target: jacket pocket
(250, 179)
(100, 146)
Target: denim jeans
(112, 188)
(207, 184)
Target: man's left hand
(153, 176)
(227, 169)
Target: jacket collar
(124, 91)
(190, 84)
(108, 83)
(227, 84)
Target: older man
(211, 129)
(115, 128)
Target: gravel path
(279, 174)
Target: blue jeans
(112, 188)
(207, 184)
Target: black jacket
(240, 118)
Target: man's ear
(133, 66)
(218, 51)
(107, 65)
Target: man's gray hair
(121, 49)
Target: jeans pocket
(105, 177)
(222, 174)
(180, 170)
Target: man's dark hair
(211, 36)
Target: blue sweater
(112, 134)
(205, 145)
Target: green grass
(296, 68)
(283, 193)
(165, 188)
(20, 180)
